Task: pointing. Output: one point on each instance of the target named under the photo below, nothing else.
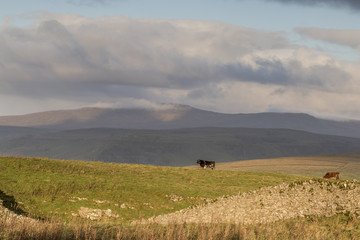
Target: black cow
(206, 164)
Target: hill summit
(170, 116)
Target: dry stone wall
(10, 218)
(269, 204)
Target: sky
(230, 56)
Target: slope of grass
(313, 166)
(58, 188)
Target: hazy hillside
(178, 116)
(7, 132)
(179, 147)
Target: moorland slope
(176, 147)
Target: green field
(47, 188)
(54, 191)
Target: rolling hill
(176, 147)
(315, 166)
(48, 188)
(7, 133)
(178, 116)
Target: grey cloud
(89, 92)
(144, 53)
(279, 91)
(266, 72)
(271, 71)
(349, 38)
(327, 78)
(211, 91)
(352, 4)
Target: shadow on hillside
(10, 203)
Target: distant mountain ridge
(178, 116)
(172, 135)
(176, 147)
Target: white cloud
(350, 38)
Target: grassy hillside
(58, 188)
(179, 147)
(315, 166)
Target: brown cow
(332, 175)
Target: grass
(52, 190)
(46, 188)
(336, 227)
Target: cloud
(79, 61)
(352, 4)
(265, 71)
(144, 53)
(350, 38)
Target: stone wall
(314, 197)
